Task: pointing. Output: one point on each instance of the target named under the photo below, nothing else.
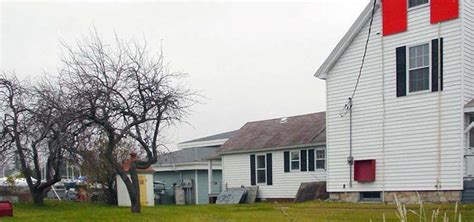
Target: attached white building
(409, 121)
(277, 155)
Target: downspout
(383, 118)
(209, 177)
(350, 159)
(196, 190)
(438, 180)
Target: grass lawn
(309, 211)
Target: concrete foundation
(406, 197)
(276, 200)
(344, 197)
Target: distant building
(277, 155)
(196, 161)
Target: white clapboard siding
(236, 173)
(468, 54)
(411, 122)
(468, 29)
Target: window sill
(426, 91)
(307, 171)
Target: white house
(277, 155)
(409, 120)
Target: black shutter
(311, 160)
(269, 169)
(436, 64)
(401, 71)
(252, 170)
(303, 160)
(286, 160)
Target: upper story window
(419, 68)
(414, 3)
(295, 160)
(261, 169)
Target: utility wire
(348, 105)
(365, 49)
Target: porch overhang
(469, 107)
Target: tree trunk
(136, 206)
(135, 195)
(38, 197)
(111, 193)
(132, 185)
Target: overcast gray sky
(251, 60)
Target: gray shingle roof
(189, 155)
(194, 154)
(225, 135)
(273, 133)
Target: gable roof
(225, 135)
(278, 133)
(187, 156)
(208, 141)
(345, 41)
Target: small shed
(145, 176)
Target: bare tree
(92, 157)
(126, 92)
(37, 126)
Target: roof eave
(344, 43)
(315, 144)
(206, 143)
(468, 109)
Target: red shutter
(443, 10)
(394, 16)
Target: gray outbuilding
(195, 162)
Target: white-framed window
(419, 77)
(295, 160)
(261, 169)
(320, 159)
(414, 3)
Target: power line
(365, 49)
(348, 105)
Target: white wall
(411, 122)
(236, 173)
(122, 192)
(468, 50)
(468, 68)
